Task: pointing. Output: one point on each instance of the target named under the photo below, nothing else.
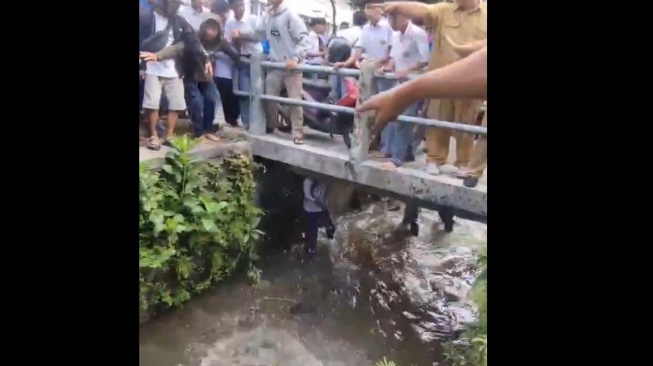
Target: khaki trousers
(293, 82)
(437, 139)
(479, 158)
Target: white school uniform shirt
(352, 34)
(224, 66)
(410, 47)
(315, 48)
(375, 40)
(194, 18)
(247, 24)
(164, 68)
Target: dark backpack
(151, 41)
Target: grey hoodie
(286, 32)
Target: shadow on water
(371, 292)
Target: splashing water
(373, 291)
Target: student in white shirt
(163, 24)
(374, 42)
(351, 34)
(410, 53)
(223, 70)
(241, 31)
(195, 14)
(316, 54)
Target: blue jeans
(401, 140)
(338, 86)
(381, 85)
(243, 85)
(200, 101)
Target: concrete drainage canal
(371, 292)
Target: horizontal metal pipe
(246, 94)
(330, 70)
(477, 130)
(303, 103)
(415, 120)
(311, 68)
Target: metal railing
(257, 96)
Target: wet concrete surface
(371, 292)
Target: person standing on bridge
(240, 29)
(195, 14)
(200, 87)
(410, 53)
(472, 173)
(374, 42)
(464, 21)
(289, 43)
(223, 70)
(158, 29)
(318, 46)
(466, 78)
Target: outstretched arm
(465, 78)
(414, 10)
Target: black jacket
(192, 59)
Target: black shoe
(448, 226)
(269, 130)
(330, 232)
(470, 182)
(414, 229)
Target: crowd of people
(190, 54)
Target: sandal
(153, 143)
(298, 140)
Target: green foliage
(385, 362)
(197, 222)
(471, 348)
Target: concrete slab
(325, 155)
(206, 150)
(329, 156)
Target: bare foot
(388, 165)
(212, 137)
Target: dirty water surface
(372, 291)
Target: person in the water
(316, 214)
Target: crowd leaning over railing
(192, 55)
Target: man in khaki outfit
(473, 172)
(463, 21)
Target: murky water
(371, 292)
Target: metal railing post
(360, 139)
(257, 121)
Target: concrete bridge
(329, 158)
(326, 157)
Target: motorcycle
(333, 123)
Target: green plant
(385, 362)
(197, 223)
(471, 348)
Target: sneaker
(432, 168)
